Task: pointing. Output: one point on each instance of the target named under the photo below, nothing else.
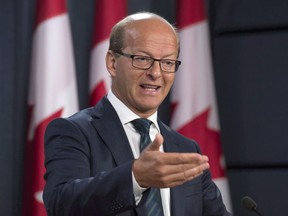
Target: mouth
(150, 88)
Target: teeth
(149, 87)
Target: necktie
(153, 203)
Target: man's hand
(165, 170)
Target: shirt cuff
(137, 190)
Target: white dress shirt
(126, 116)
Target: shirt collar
(125, 114)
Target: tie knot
(142, 125)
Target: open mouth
(150, 87)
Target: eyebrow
(150, 55)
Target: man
(93, 159)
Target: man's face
(144, 90)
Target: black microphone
(250, 204)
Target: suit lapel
(109, 127)
(177, 194)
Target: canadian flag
(194, 109)
(107, 14)
(52, 93)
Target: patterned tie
(153, 203)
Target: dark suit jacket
(88, 163)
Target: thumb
(157, 142)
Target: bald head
(145, 20)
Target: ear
(111, 63)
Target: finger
(157, 142)
(184, 158)
(195, 172)
(178, 178)
(164, 170)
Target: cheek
(169, 80)
(127, 81)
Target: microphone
(250, 204)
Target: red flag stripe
(35, 163)
(190, 11)
(108, 12)
(46, 9)
(98, 93)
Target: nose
(155, 70)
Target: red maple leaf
(208, 140)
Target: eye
(142, 59)
(168, 62)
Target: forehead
(150, 25)
(151, 32)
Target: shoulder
(81, 117)
(82, 120)
(85, 116)
(78, 123)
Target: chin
(149, 109)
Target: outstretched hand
(165, 170)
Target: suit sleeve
(71, 188)
(212, 199)
(203, 191)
